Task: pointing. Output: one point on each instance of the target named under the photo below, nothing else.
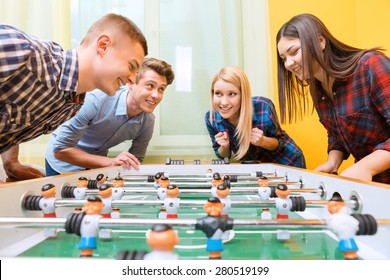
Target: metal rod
(208, 190)
(22, 222)
(208, 184)
(130, 202)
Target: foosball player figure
(283, 206)
(223, 193)
(47, 204)
(283, 203)
(161, 194)
(214, 225)
(81, 187)
(162, 240)
(117, 194)
(209, 173)
(215, 182)
(89, 226)
(264, 190)
(101, 179)
(172, 201)
(343, 225)
(266, 214)
(105, 194)
(80, 191)
(157, 178)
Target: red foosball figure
(117, 194)
(47, 202)
(105, 192)
(283, 206)
(283, 203)
(161, 194)
(80, 191)
(172, 202)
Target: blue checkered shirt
(266, 119)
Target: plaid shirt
(38, 82)
(266, 119)
(358, 120)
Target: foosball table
(255, 229)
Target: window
(197, 37)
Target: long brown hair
(337, 59)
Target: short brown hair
(116, 22)
(159, 66)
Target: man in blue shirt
(106, 121)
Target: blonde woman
(247, 126)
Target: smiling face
(290, 52)
(119, 62)
(147, 93)
(227, 101)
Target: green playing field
(248, 243)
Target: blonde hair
(118, 23)
(236, 76)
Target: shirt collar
(122, 102)
(218, 117)
(121, 109)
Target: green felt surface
(247, 243)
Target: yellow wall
(358, 23)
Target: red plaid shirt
(358, 120)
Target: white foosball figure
(283, 206)
(264, 190)
(172, 202)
